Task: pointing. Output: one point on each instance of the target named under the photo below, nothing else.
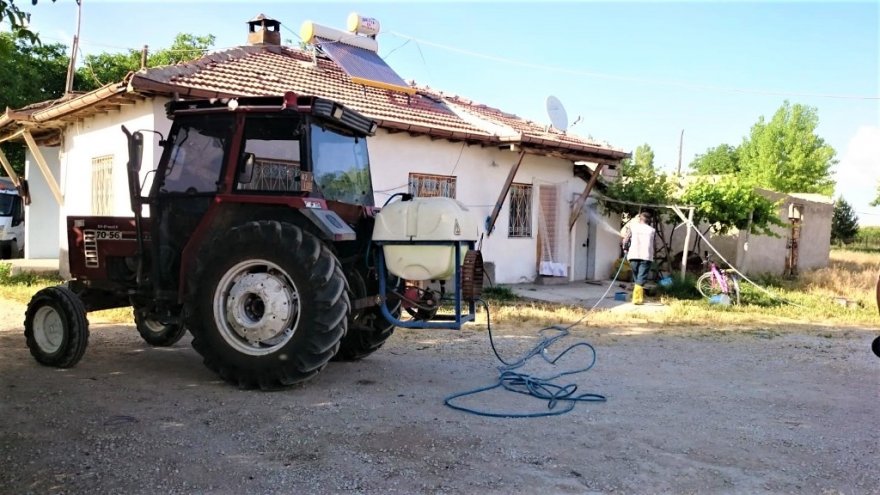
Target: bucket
(620, 296)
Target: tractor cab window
(341, 166)
(273, 145)
(198, 148)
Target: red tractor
(255, 236)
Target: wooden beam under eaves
(9, 170)
(582, 199)
(490, 222)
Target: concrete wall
(765, 254)
(41, 238)
(755, 254)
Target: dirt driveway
(687, 412)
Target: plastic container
(620, 296)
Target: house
(427, 142)
(804, 243)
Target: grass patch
(22, 286)
(810, 301)
(498, 293)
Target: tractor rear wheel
(367, 328)
(56, 328)
(156, 333)
(267, 305)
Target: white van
(11, 221)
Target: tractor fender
(330, 225)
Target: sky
(629, 73)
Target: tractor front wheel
(56, 328)
(267, 305)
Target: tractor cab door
(188, 178)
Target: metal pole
(680, 143)
(71, 68)
(687, 242)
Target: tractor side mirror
(246, 168)
(135, 156)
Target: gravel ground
(762, 411)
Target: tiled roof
(274, 70)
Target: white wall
(41, 234)
(481, 172)
(93, 137)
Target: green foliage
(844, 222)
(28, 73)
(31, 73)
(106, 68)
(639, 183)
(727, 203)
(644, 157)
(27, 279)
(722, 159)
(876, 201)
(786, 155)
(867, 238)
(681, 287)
(499, 293)
(18, 21)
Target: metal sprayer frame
(447, 321)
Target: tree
(31, 73)
(19, 20)
(722, 159)
(731, 203)
(105, 68)
(876, 201)
(844, 222)
(28, 73)
(639, 183)
(786, 155)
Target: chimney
(264, 31)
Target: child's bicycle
(716, 283)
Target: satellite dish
(558, 117)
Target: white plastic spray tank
(417, 236)
(425, 239)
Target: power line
(619, 77)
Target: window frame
(442, 180)
(513, 216)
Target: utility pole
(144, 53)
(680, 142)
(71, 68)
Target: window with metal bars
(519, 222)
(102, 185)
(432, 186)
